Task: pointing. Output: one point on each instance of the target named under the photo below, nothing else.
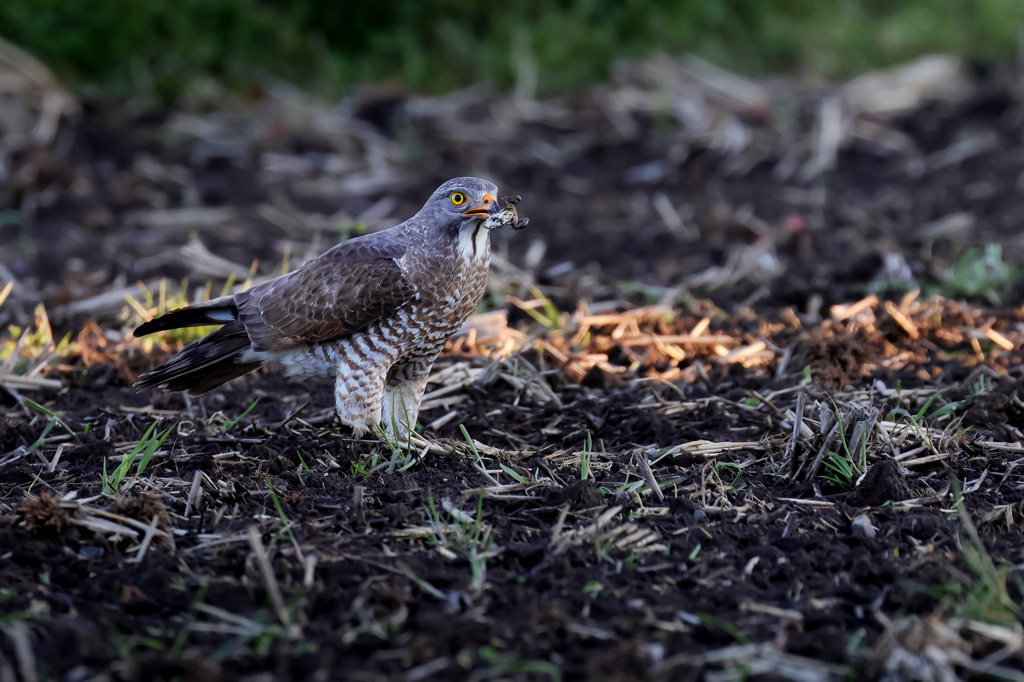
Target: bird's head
(460, 203)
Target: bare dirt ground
(744, 404)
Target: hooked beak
(487, 208)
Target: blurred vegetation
(165, 46)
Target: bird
(373, 313)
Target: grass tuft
(147, 446)
(464, 534)
(984, 594)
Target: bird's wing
(341, 292)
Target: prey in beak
(507, 216)
(487, 208)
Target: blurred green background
(121, 47)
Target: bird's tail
(207, 363)
(218, 311)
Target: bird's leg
(403, 392)
(359, 396)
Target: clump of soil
(43, 515)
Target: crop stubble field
(742, 404)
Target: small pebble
(689, 618)
(91, 552)
(861, 527)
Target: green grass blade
(49, 413)
(42, 437)
(231, 424)
(151, 449)
(514, 474)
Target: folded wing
(343, 291)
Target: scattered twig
(269, 579)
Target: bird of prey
(373, 313)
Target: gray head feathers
(454, 204)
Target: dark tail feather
(196, 316)
(204, 364)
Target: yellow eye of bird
(458, 198)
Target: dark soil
(748, 564)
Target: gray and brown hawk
(373, 313)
